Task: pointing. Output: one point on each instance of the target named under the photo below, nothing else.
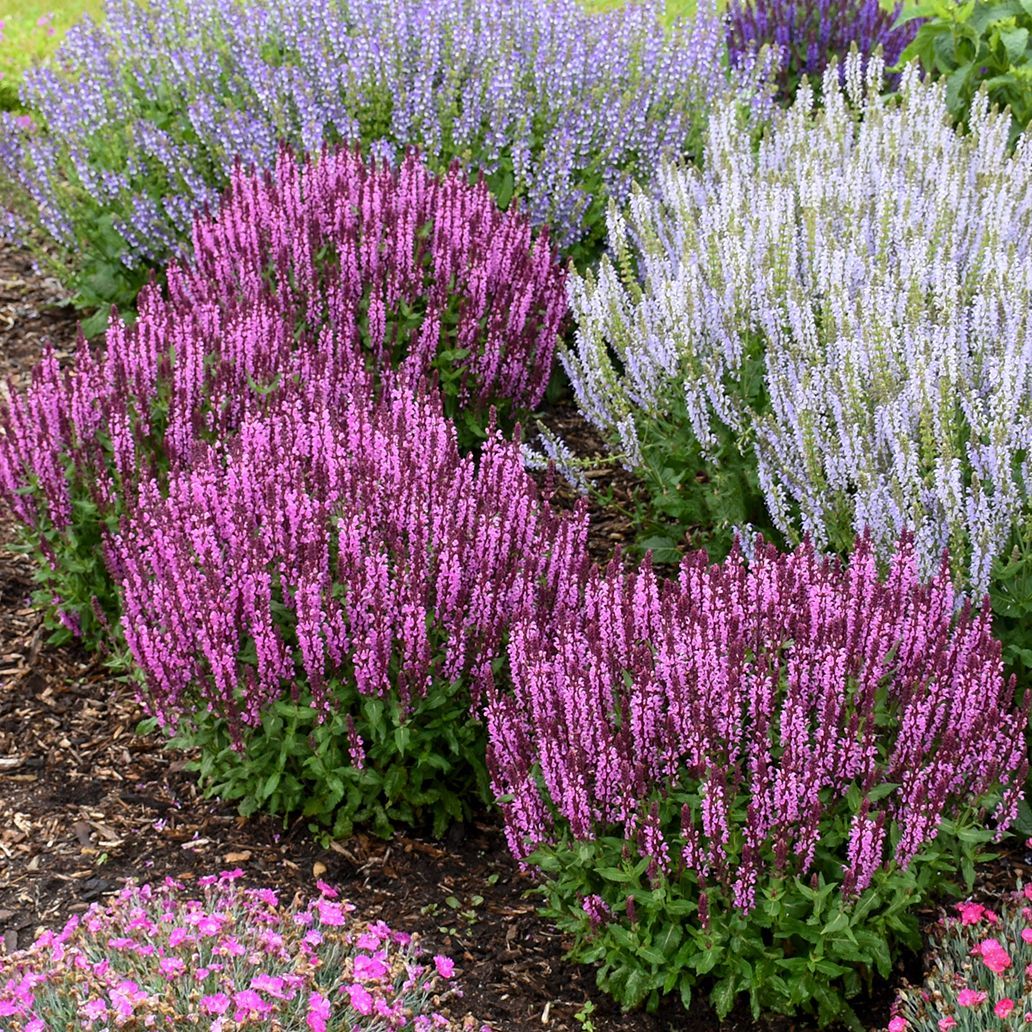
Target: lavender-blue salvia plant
(809, 34)
(847, 310)
(339, 578)
(137, 123)
(751, 774)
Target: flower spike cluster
(870, 268)
(810, 35)
(319, 274)
(559, 107)
(339, 240)
(348, 544)
(753, 700)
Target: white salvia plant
(871, 268)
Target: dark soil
(86, 803)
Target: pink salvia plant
(770, 696)
(219, 956)
(351, 245)
(318, 275)
(348, 544)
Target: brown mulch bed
(86, 803)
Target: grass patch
(32, 30)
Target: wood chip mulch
(86, 803)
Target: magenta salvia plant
(220, 956)
(309, 275)
(755, 771)
(342, 579)
(808, 35)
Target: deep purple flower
(809, 34)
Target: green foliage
(74, 590)
(695, 500)
(1012, 604)
(977, 44)
(803, 948)
(424, 767)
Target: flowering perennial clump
(308, 276)
(224, 957)
(559, 107)
(978, 971)
(809, 35)
(401, 263)
(748, 730)
(850, 305)
(346, 566)
(351, 542)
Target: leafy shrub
(836, 313)
(977, 974)
(139, 120)
(309, 274)
(752, 776)
(974, 45)
(333, 589)
(167, 955)
(808, 35)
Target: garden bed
(85, 803)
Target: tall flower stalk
(325, 273)
(753, 771)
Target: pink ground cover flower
(970, 913)
(79, 973)
(971, 998)
(1000, 976)
(993, 954)
(1004, 1007)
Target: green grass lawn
(24, 41)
